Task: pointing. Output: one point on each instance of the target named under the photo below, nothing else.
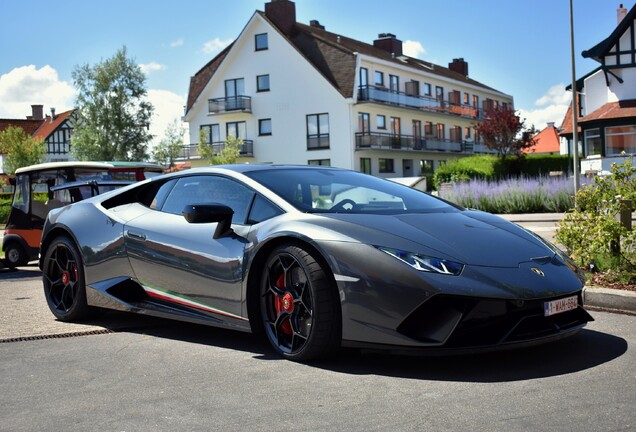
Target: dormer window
(260, 41)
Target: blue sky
(519, 47)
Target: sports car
(312, 258)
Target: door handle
(135, 236)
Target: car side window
(162, 194)
(209, 189)
(262, 210)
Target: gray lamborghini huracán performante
(313, 258)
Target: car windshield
(340, 191)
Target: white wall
(296, 90)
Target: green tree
(170, 146)
(503, 131)
(229, 154)
(113, 110)
(21, 149)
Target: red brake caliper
(284, 303)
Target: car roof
(244, 168)
(60, 165)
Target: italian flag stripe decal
(172, 297)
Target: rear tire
(15, 255)
(299, 305)
(63, 278)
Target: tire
(15, 255)
(63, 278)
(299, 305)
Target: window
(317, 131)
(264, 127)
(386, 165)
(212, 133)
(364, 77)
(439, 93)
(454, 97)
(234, 87)
(236, 129)
(456, 134)
(363, 123)
(592, 142)
(262, 83)
(467, 132)
(365, 165)
(466, 98)
(379, 78)
(260, 42)
(207, 189)
(475, 101)
(620, 139)
(262, 210)
(394, 83)
(426, 166)
(412, 88)
(428, 128)
(381, 121)
(395, 126)
(441, 131)
(427, 89)
(319, 162)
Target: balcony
(230, 105)
(421, 103)
(192, 151)
(385, 141)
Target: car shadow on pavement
(583, 351)
(25, 272)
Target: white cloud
(26, 85)
(177, 43)
(551, 107)
(168, 108)
(215, 45)
(151, 67)
(413, 49)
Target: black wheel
(63, 278)
(299, 305)
(15, 255)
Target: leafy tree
(228, 154)
(113, 111)
(21, 149)
(170, 146)
(502, 130)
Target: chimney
(52, 115)
(316, 23)
(389, 43)
(282, 13)
(550, 124)
(621, 12)
(459, 65)
(37, 112)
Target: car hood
(471, 237)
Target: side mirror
(208, 213)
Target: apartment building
(299, 94)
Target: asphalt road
(130, 373)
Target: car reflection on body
(314, 258)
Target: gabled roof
(29, 126)
(333, 55)
(49, 126)
(602, 48)
(201, 78)
(546, 141)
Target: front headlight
(425, 263)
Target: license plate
(561, 305)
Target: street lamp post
(575, 108)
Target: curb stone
(620, 300)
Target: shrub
(590, 231)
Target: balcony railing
(422, 103)
(230, 104)
(385, 141)
(192, 151)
